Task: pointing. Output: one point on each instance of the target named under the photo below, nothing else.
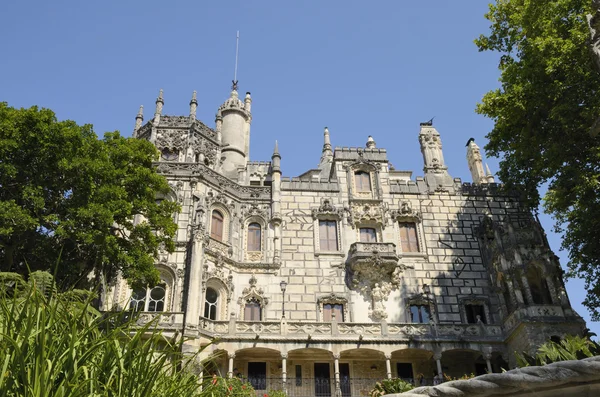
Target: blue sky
(361, 68)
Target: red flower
(243, 386)
(230, 387)
(265, 395)
(214, 380)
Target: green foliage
(66, 194)
(51, 345)
(569, 348)
(542, 113)
(390, 386)
(276, 393)
(224, 387)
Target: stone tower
(233, 123)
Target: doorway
(345, 379)
(322, 380)
(257, 375)
(405, 371)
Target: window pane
(210, 304)
(424, 314)
(328, 236)
(414, 314)
(368, 235)
(473, 311)
(156, 301)
(138, 300)
(362, 181)
(216, 225)
(327, 312)
(254, 238)
(339, 312)
(408, 237)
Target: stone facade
(384, 274)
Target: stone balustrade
(350, 331)
(170, 321)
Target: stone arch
(252, 294)
(223, 298)
(169, 278)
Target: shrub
(56, 344)
(390, 386)
(223, 387)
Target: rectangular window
(328, 236)
(473, 312)
(330, 309)
(298, 375)
(254, 237)
(368, 235)
(419, 314)
(252, 311)
(408, 237)
(362, 181)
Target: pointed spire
(327, 142)
(138, 121)
(489, 176)
(193, 106)
(327, 153)
(276, 157)
(159, 107)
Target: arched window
(148, 299)
(362, 181)
(254, 237)
(538, 286)
(216, 225)
(252, 311)
(211, 303)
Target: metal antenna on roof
(237, 47)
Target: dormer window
(362, 181)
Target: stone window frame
(475, 300)
(226, 221)
(167, 279)
(223, 298)
(370, 167)
(420, 300)
(333, 299)
(407, 215)
(254, 256)
(252, 293)
(327, 212)
(370, 225)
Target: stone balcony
(372, 262)
(338, 331)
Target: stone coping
(520, 381)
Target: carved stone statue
(378, 296)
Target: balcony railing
(324, 386)
(348, 331)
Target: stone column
(336, 370)
(488, 357)
(276, 204)
(192, 315)
(231, 356)
(527, 290)
(388, 365)
(438, 362)
(552, 289)
(284, 357)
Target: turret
(193, 107)
(276, 203)
(436, 171)
(234, 127)
(371, 143)
(475, 162)
(138, 121)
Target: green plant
(56, 344)
(464, 377)
(276, 393)
(569, 348)
(223, 387)
(390, 386)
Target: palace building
(350, 273)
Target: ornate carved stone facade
(427, 273)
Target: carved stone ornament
(406, 212)
(253, 294)
(254, 210)
(171, 139)
(204, 147)
(220, 273)
(327, 210)
(367, 213)
(334, 299)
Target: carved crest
(171, 139)
(365, 213)
(406, 212)
(326, 209)
(253, 294)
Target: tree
(68, 200)
(543, 113)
